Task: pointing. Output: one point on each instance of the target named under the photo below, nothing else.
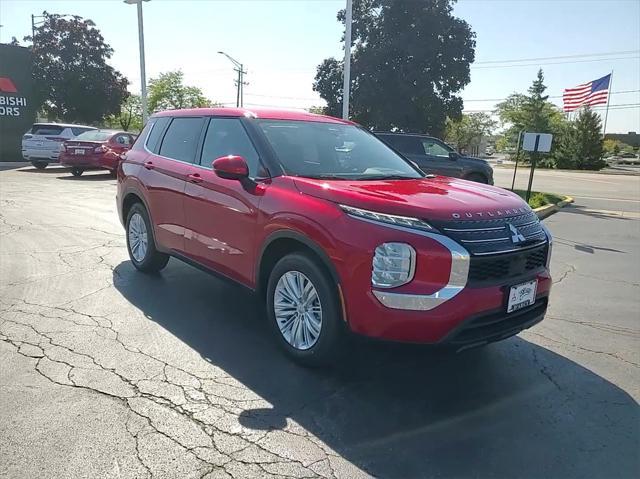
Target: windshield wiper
(388, 177)
(325, 177)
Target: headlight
(405, 221)
(393, 265)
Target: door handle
(149, 165)
(195, 178)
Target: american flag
(595, 92)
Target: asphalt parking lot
(108, 373)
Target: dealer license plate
(79, 151)
(522, 295)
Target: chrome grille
(494, 256)
(491, 236)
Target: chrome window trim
(458, 275)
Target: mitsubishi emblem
(516, 236)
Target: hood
(440, 198)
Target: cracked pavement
(105, 372)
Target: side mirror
(231, 167)
(454, 155)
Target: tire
(77, 171)
(478, 178)
(40, 165)
(139, 229)
(329, 342)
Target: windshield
(94, 135)
(333, 151)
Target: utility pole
(143, 75)
(239, 67)
(606, 115)
(347, 60)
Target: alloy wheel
(298, 310)
(138, 240)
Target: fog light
(393, 265)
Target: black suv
(435, 156)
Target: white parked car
(41, 145)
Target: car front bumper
(440, 298)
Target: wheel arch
(281, 243)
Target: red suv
(335, 230)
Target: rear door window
(180, 142)
(124, 140)
(408, 145)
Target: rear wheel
(477, 177)
(141, 245)
(40, 165)
(76, 171)
(304, 311)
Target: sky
(281, 42)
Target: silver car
(41, 145)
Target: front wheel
(77, 171)
(141, 245)
(304, 311)
(40, 165)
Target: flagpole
(606, 115)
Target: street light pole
(240, 82)
(143, 76)
(347, 60)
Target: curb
(547, 210)
(612, 171)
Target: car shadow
(584, 211)
(513, 409)
(88, 176)
(52, 169)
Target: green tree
(73, 81)
(581, 145)
(130, 116)
(169, 92)
(409, 60)
(318, 110)
(532, 113)
(469, 130)
(588, 134)
(612, 147)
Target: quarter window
(407, 145)
(227, 136)
(157, 126)
(181, 139)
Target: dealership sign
(17, 104)
(10, 105)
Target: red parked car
(336, 231)
(95, 149)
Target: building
(631, 138)
(17, 109)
